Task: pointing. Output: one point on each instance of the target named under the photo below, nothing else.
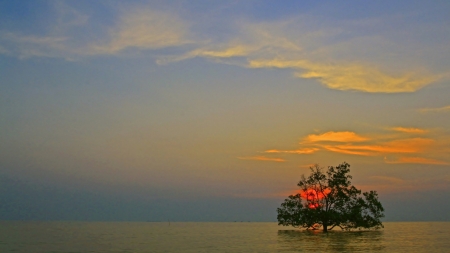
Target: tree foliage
(327, 200)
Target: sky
(212, 110)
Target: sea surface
(36, 237)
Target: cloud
(207, 52)
(262, 158)
(26, 46)
(58, 42)
(281, 45)
(68, 17)
(326, 52)
(349, 143)
(346, 150)
(419, 160)
(144, 29)
(252, 40)
(298, 151)
(413, 145)
(439, 109)
(238, 50)
(409, 130)
(334, 137)
(344, 76)
(3, 50)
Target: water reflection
(334, 241)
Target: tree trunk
(325, 227)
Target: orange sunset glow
(313, 197)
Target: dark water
(216, 237)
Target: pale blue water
(216, 237)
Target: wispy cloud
(345, 136)
(239, 50)
(309, 51)
(250, 41)
(68, 17)
(409, 130)
(3, 50)
(394, 184)
(439, 109)
(280, 45)
(345, 76)
(26, 46)
(346, 150)
(419, 160)
(315, 139)
(297, 151)
(58, 40)
(413, 145)
(144, 29)
(263, 158)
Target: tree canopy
(328, 200)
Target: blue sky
(220, 106)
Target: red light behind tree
(313, 197)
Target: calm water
(216, 237)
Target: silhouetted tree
(328, 200)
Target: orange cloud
(412, 145)
(263, 158)
(409, 130)
(440, 109)
(298, 151)
(420, 160)
(350, 143)
(335, 137)
(347, 150)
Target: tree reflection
(334, 241)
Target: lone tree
(328, 200)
